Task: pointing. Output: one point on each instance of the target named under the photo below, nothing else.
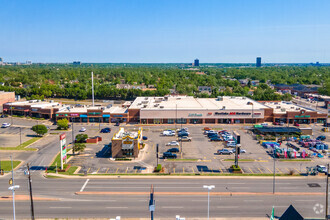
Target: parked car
(182, 129)
(224, 151)
(144, 138)
(210, 132)
(321, 169)
(281, 123)
(173, 143)
(321, 138)
(242, 151)
(4, 116)
(169, 133)
(184, 138)
(117, 123)
(210, 135)
(231, 144)
(215, 139)
(173, 150)
(207, 129)
(296, 124)
(182, 134)
(5, 125)
(83, 129)
(264, 124)
(276, 123)
(106, 130)
(169, 155)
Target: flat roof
(189, 102)
(83, 109)
(285, 106)
(278, 130)
(35, 104)
(122, 133)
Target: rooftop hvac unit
(68, 108)
(102, 108)
(282, 109)
(166, 98)
(292, 107)
(243, 97)
(139, 103)
(223, 107)
(161, 106)
(278, 106)
(297, 108)
(144, 106)
(51, 101)
(146, 98)
(179, 98)
(219, 98)
(31, 101)
(39, 100)
(144, 102)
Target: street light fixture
(210, 187)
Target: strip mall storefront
(201, 116)
(93, 116)
(301, 117)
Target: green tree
(63, 124)
(81, 138)
(79, 147)
(40, 129)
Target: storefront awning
(83, 116)
(26, 110)
(106, 116)
(5, 109)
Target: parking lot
(197, 156)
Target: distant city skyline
(142, 31)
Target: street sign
(63, 149)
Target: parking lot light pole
(274, 173)
(209, 188)
(73, 140)
(327, 194)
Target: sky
(165, 31)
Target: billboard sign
(63, 149)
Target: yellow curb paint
(126, 170)
(287, 169)
(251, 170)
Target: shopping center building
(190, 110)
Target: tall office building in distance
(258, 63)
(196, 62)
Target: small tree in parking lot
(63, 124)
(40, 129)
(81, 138)
(79, 147)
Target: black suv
(169, 155)
(173, 150)
(106, 130)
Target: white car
(173, 143)
(83, 129)
(5, 125)
(242, 150)
(169, 133)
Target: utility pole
(157, 150)
(274, 173)
(327, 195)
(30, 188)
(20, 135)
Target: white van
(231, 144)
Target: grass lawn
(242, 160)
(23, 145)
(182, 160)
(295, 160)
(6, 165)
(52, 168)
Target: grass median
(57, 164)
(6, 165)
(23, 145)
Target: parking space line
(97, 170)
(183, 170)
(107, 170)
(220, 170)
(193, 170)
(135, 170)
(269, 170)
(279, 171)
(88, 170)
(117, 170)
(287, 169)
(174, 170)
(126, 169)
(297, 170)
(251, 170)
(260, 170)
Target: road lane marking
(287, 169)
(253, 200)
(260, 170)
(269, 170)
(305, 200)
(83, 187)
(251, 170)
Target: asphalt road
(131, 203)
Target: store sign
(94, 113)
(127, 143)
(61, 115)
(63, 149)
(232, 113)
(74, 115)
(117, 116)
(302, 116)
(195, 115)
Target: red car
(296, 124)
(276, 123)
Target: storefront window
(106, 120)
(84, 119)
(94, 119)
(181, 121)
(170, 121)
(128, 152)
(156, 121)
(143, 121)
(195, 121)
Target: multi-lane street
(129, 197)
